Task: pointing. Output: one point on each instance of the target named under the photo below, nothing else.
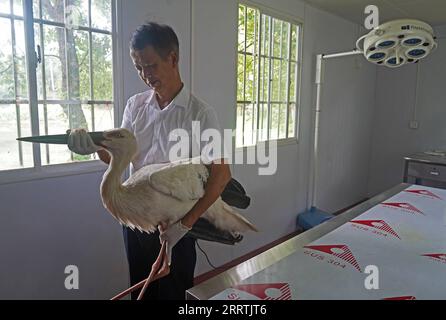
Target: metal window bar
(271, 30)
(261, 101)
(264, 79)
(267, 56)
(290, 26)
(63, 102)
(280, 77)
(244, 71)
(81, 28)
(13, 101)
(14, 72)
(32, 78)
(255, 89)
(90, 57)
(297, 78)
(44, 93)
(90, 54)
(116, 63)
(67, 68)
(258, 75)
(298, 45)
(10, 16)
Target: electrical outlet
(413, 124)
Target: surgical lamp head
(398, 42)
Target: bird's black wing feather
(235, 196)
(204, 230)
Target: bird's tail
(226, 218)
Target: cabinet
(426, 169)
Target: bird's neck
(111, 186)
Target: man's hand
(172, 235)
(80, 142)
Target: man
(151, 116)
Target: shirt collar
(181, 99)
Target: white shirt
(152, 126)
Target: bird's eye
(117, 135)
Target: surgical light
(398, 42)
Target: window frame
(11, 176)
(277, 14)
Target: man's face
(155, 71)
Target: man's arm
(218, 179)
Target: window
(267, 75)
(74, 87)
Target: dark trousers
(143, 249)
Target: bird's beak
(97, 138)
(99, 141)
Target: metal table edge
(235, 275)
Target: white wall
(48, 224)
(348, 105)
(348, 93)
(395, 103)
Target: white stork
(156, 195)
(159, 194)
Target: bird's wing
(184, 181)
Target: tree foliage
(67, 59)
(266, 71)
(66, 56)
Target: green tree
(61, 46)
(67, 51)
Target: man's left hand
(172, 235)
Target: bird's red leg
(156, 272)
(152, 276)
(129, 290)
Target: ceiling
(430, 11)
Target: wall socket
(413, 124)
